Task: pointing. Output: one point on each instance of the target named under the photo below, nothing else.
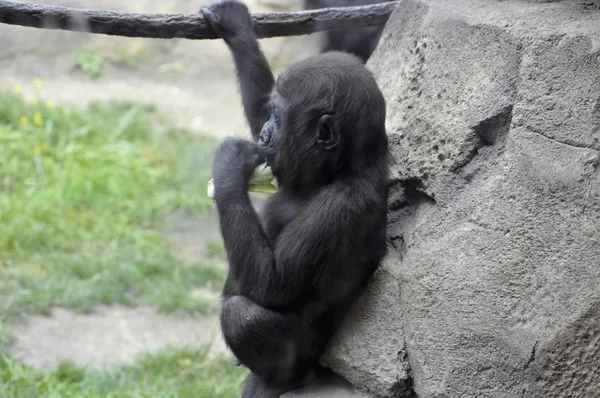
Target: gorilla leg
(281, 349)
(254, 387)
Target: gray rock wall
(492, 284)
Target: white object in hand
(261, 180)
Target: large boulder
(492, 283)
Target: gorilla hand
(230, 19)
(235, 160)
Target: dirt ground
(193, 84)
(108, 336)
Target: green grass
(82, 196)
(216, 249)
(90, 63)
(180, 373)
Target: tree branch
(192, 26)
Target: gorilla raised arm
(294, 272)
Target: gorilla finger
(230, 142)
(212, 19)
(257, 160)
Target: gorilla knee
(236, 313)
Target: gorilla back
(294, 271)
(359, 41)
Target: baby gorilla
(294, 272)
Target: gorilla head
(327, 119)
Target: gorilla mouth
(270, 159)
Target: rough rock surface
(327, 386)
(492, 283)
(381, 367)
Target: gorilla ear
(327, 134)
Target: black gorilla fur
(360, 41)
(294, 272)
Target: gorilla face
(268, 140)
(299, 141)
